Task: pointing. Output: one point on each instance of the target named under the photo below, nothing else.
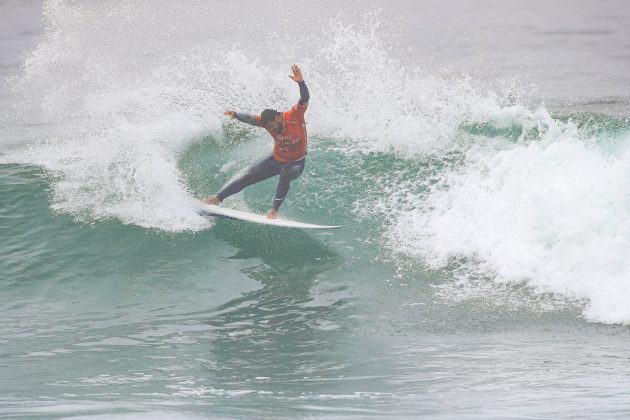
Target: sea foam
(552, 213)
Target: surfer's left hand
(297, 73)
(272, 214)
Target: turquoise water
(482, 273)
(241, 320)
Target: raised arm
(243, 117)
(304, 95)
(297, 77)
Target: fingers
(230, 114)
(297, 73)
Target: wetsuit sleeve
(304, 94)
(248, 118)
(300, 108)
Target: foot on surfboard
(213, 199)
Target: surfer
(288, 130)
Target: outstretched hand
(297, 73)
(231, 114)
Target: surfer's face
(275, 124)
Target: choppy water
(478, 154)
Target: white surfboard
(212, 210)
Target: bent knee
(290, 174)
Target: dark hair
(268, 115)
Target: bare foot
(213, 199)
(272, 214)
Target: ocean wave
(117, 97)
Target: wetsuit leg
(265, 168)
(288, 172)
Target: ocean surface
(478, 154)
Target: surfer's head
(271, 120)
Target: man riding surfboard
(288, 130)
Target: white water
(114, 94)
(554, 214)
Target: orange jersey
(290, 142)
